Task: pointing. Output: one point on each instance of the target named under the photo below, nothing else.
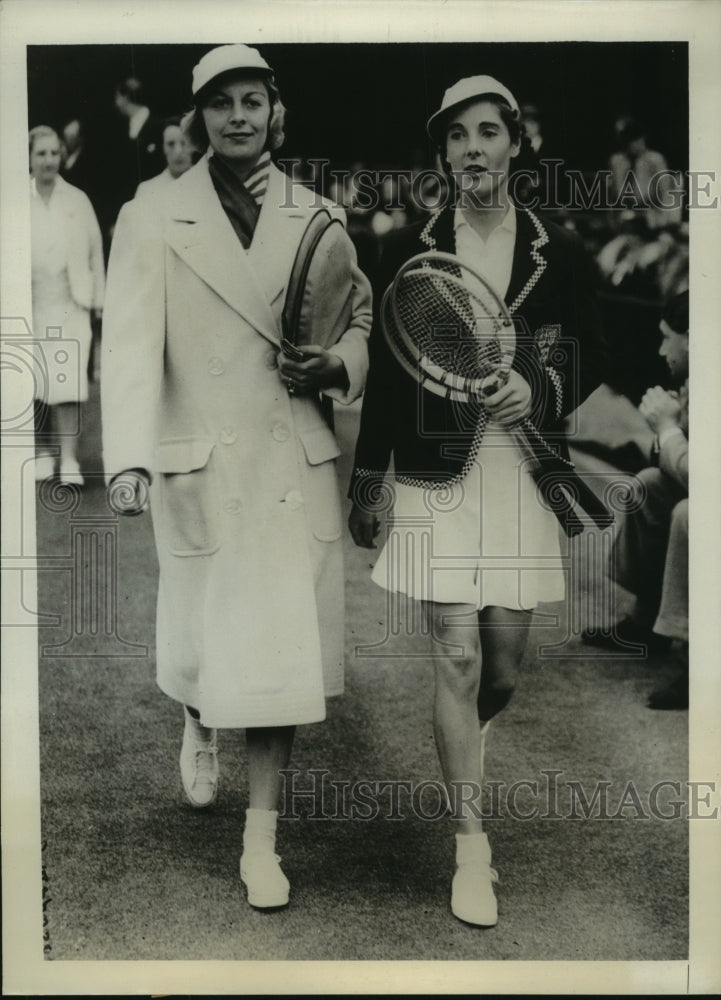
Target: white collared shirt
(492, 258)
(136, 122)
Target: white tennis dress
(488, 539)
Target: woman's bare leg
(455, 719)
(65, 426)
(268, 753)
(503, 637)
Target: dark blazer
(560, 352)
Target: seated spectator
(650, 555)
(673, 264)
(178, 152)
(627, 261)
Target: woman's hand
(319, 370)
(364, 527)
(510, 404)
(128, 492)
(660, 409)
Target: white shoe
(44, 468)
(70, 472)
(472, 897)
(263, 878)
(199, 763)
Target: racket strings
(447, 324)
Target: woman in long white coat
(200, 406)
(68, 283)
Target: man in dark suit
(138, 152)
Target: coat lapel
(200, 233)
(438, 232)
(280, 226)
(529, 261)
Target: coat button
(216, 366)
(271, 360)
(228, 435)
(233, 505)
(294, 500)
(280, 432)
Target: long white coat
(244, 497)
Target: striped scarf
(241, 201)
(256, 183)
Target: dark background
(367, 105)
(370, 102)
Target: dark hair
(132, 89)
(675, 313)
(194, 124)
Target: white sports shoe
(199, 763)
(264, 880)
(472, 897)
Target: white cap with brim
(225, 58)
(466, 90)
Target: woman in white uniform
(470, 538)
(199, 403)
(68, 278)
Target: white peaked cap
(224, 58)
(466, 90)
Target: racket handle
(291, 351)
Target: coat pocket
(319, 444)
(324, 515)
(186, 481)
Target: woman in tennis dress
(470, 538)
(200, 406)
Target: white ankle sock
(260, 827)
(472, 847)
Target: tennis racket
(450, 331)
(318, 298)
